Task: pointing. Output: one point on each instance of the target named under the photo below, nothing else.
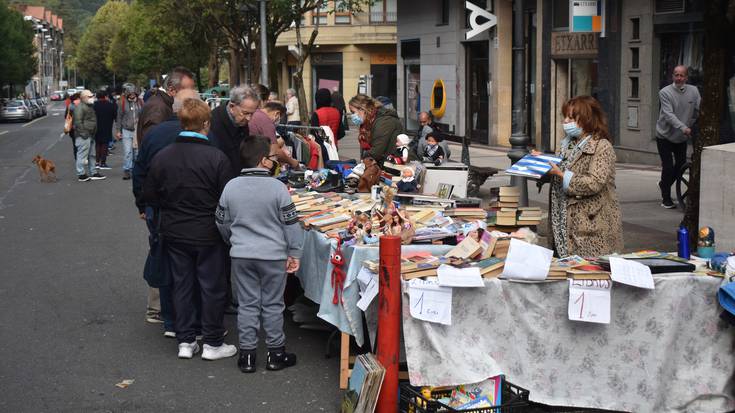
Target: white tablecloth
(665, 350)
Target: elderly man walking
(679, 111)
(85, 127)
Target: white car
(71, 91)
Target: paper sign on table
(459, 277)
(430, 302)
(589, 300)
(631, 273)
(527, 261)
(370, 291)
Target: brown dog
(46, 169)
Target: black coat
(185, 181)
(227, 136)
(106, 113)
(156, 139)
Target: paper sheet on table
(631, 273)
(459, 277)
(429, 301)
(589, 300)
(370, 291)
(527, 261)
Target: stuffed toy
(338, 273)
(370, 177)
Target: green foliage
(17, 52)
(94, 45)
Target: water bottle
(683, 235)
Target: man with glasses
(230, 123)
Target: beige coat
(594, 225)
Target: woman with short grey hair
(292, 108)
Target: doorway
(478, 100)
(412, 94)
(569, 78)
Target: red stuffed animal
(338, 273)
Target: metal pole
(518, 139)
(263, 46)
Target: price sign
(430, 301)
(589, 300)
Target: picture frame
(444, 191)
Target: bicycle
(682, 184)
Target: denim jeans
(85, 156)
(128, 155)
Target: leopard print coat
(594, 225)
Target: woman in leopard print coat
(584, 211)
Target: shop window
(560, 15)
(634, 88)
(635, 28)
(443, 13)
(634, 58)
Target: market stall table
(664, 349)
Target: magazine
(533, 166)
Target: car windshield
(15, 104)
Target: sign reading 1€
(475, 13)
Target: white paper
(527, 261)
(459, 277)
(363, 278)
(589, 300)
(430, 302)
(631, 273)
(371, 288)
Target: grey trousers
(260, 285)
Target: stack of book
(366, 380)
(588, 272)
(501, 247)
(509, 196)
(529, 216)
(467, 214)
(506, 217)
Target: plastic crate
(515, 400)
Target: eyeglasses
(273, 157)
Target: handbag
(68, 123)
(156, 271)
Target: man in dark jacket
(157, 108)
(229, 123)
(85, 128)
(185, 182)
(106, 112)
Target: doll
(433, 153)
(408, 181)
(401, 155)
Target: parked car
(35, 109)
(16, 110)
(42, 105)
(80, 88)
(71, 91)
(58, 95)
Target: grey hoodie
(679, 110)
(258, 219)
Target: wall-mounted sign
(565, 44)
(586, 16)
(477, 12)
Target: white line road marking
(4, 132)
(31, 122)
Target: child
(266, 242)
(433, 152)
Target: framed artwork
(444, 191)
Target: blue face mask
(572, 129)
(356, 119)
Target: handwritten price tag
(430, 301)
(589, 300)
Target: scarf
(366, 129)
(431, 151)
(570, 151)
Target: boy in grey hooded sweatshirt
(258, 219)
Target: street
(73, 304)
(73, 298)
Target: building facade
(49, 42)
(353, 52)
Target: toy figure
(338, 273)
(369, 238)
(433, 153)
(402, 154)
(706, 242)
(408, 181)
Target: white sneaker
(187, 350)
(169, 334)
(216, 353)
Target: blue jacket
(156, 139)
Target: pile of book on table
(365, 382)
(508, 214)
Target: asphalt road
(72, 304)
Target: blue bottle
(683, 236)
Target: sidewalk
(646, 225)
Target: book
(368, 376)
(533, 166)
(509, 191)
(468, 248)
(588, 275)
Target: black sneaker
(126, 175)
(668, 204)
(104, 167)
(278, 359)
(246, 361)
(83, 178)
(97, 176)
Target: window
(443, 13)
(669, 6)
(635, 28)
(341, 14)
(634, 88)
(561, 14)
(383, 11)
(320, 14)
(634, 58)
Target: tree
(17, 52)
(720, 18)
(93, 47)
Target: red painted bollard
(389, 321)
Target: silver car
(16, 110)
(42, 105)
(35, 109)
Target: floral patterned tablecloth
(665, 350)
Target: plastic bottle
(683, 237)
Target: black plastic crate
(515, 400)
